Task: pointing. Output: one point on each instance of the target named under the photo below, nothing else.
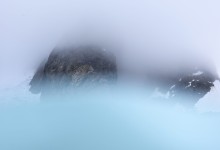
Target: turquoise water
(106, 121)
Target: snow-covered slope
(211, 101)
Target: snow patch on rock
(198, 73)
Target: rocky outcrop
(188, 86)
(69, 68)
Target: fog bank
(146, 33)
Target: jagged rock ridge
(190, 85)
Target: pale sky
(30, 29)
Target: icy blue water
(107, 122)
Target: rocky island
(72, 68)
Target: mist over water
(159, 36)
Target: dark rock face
(68, 69)
(195, 85)
(75, 67)
(190, 85)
